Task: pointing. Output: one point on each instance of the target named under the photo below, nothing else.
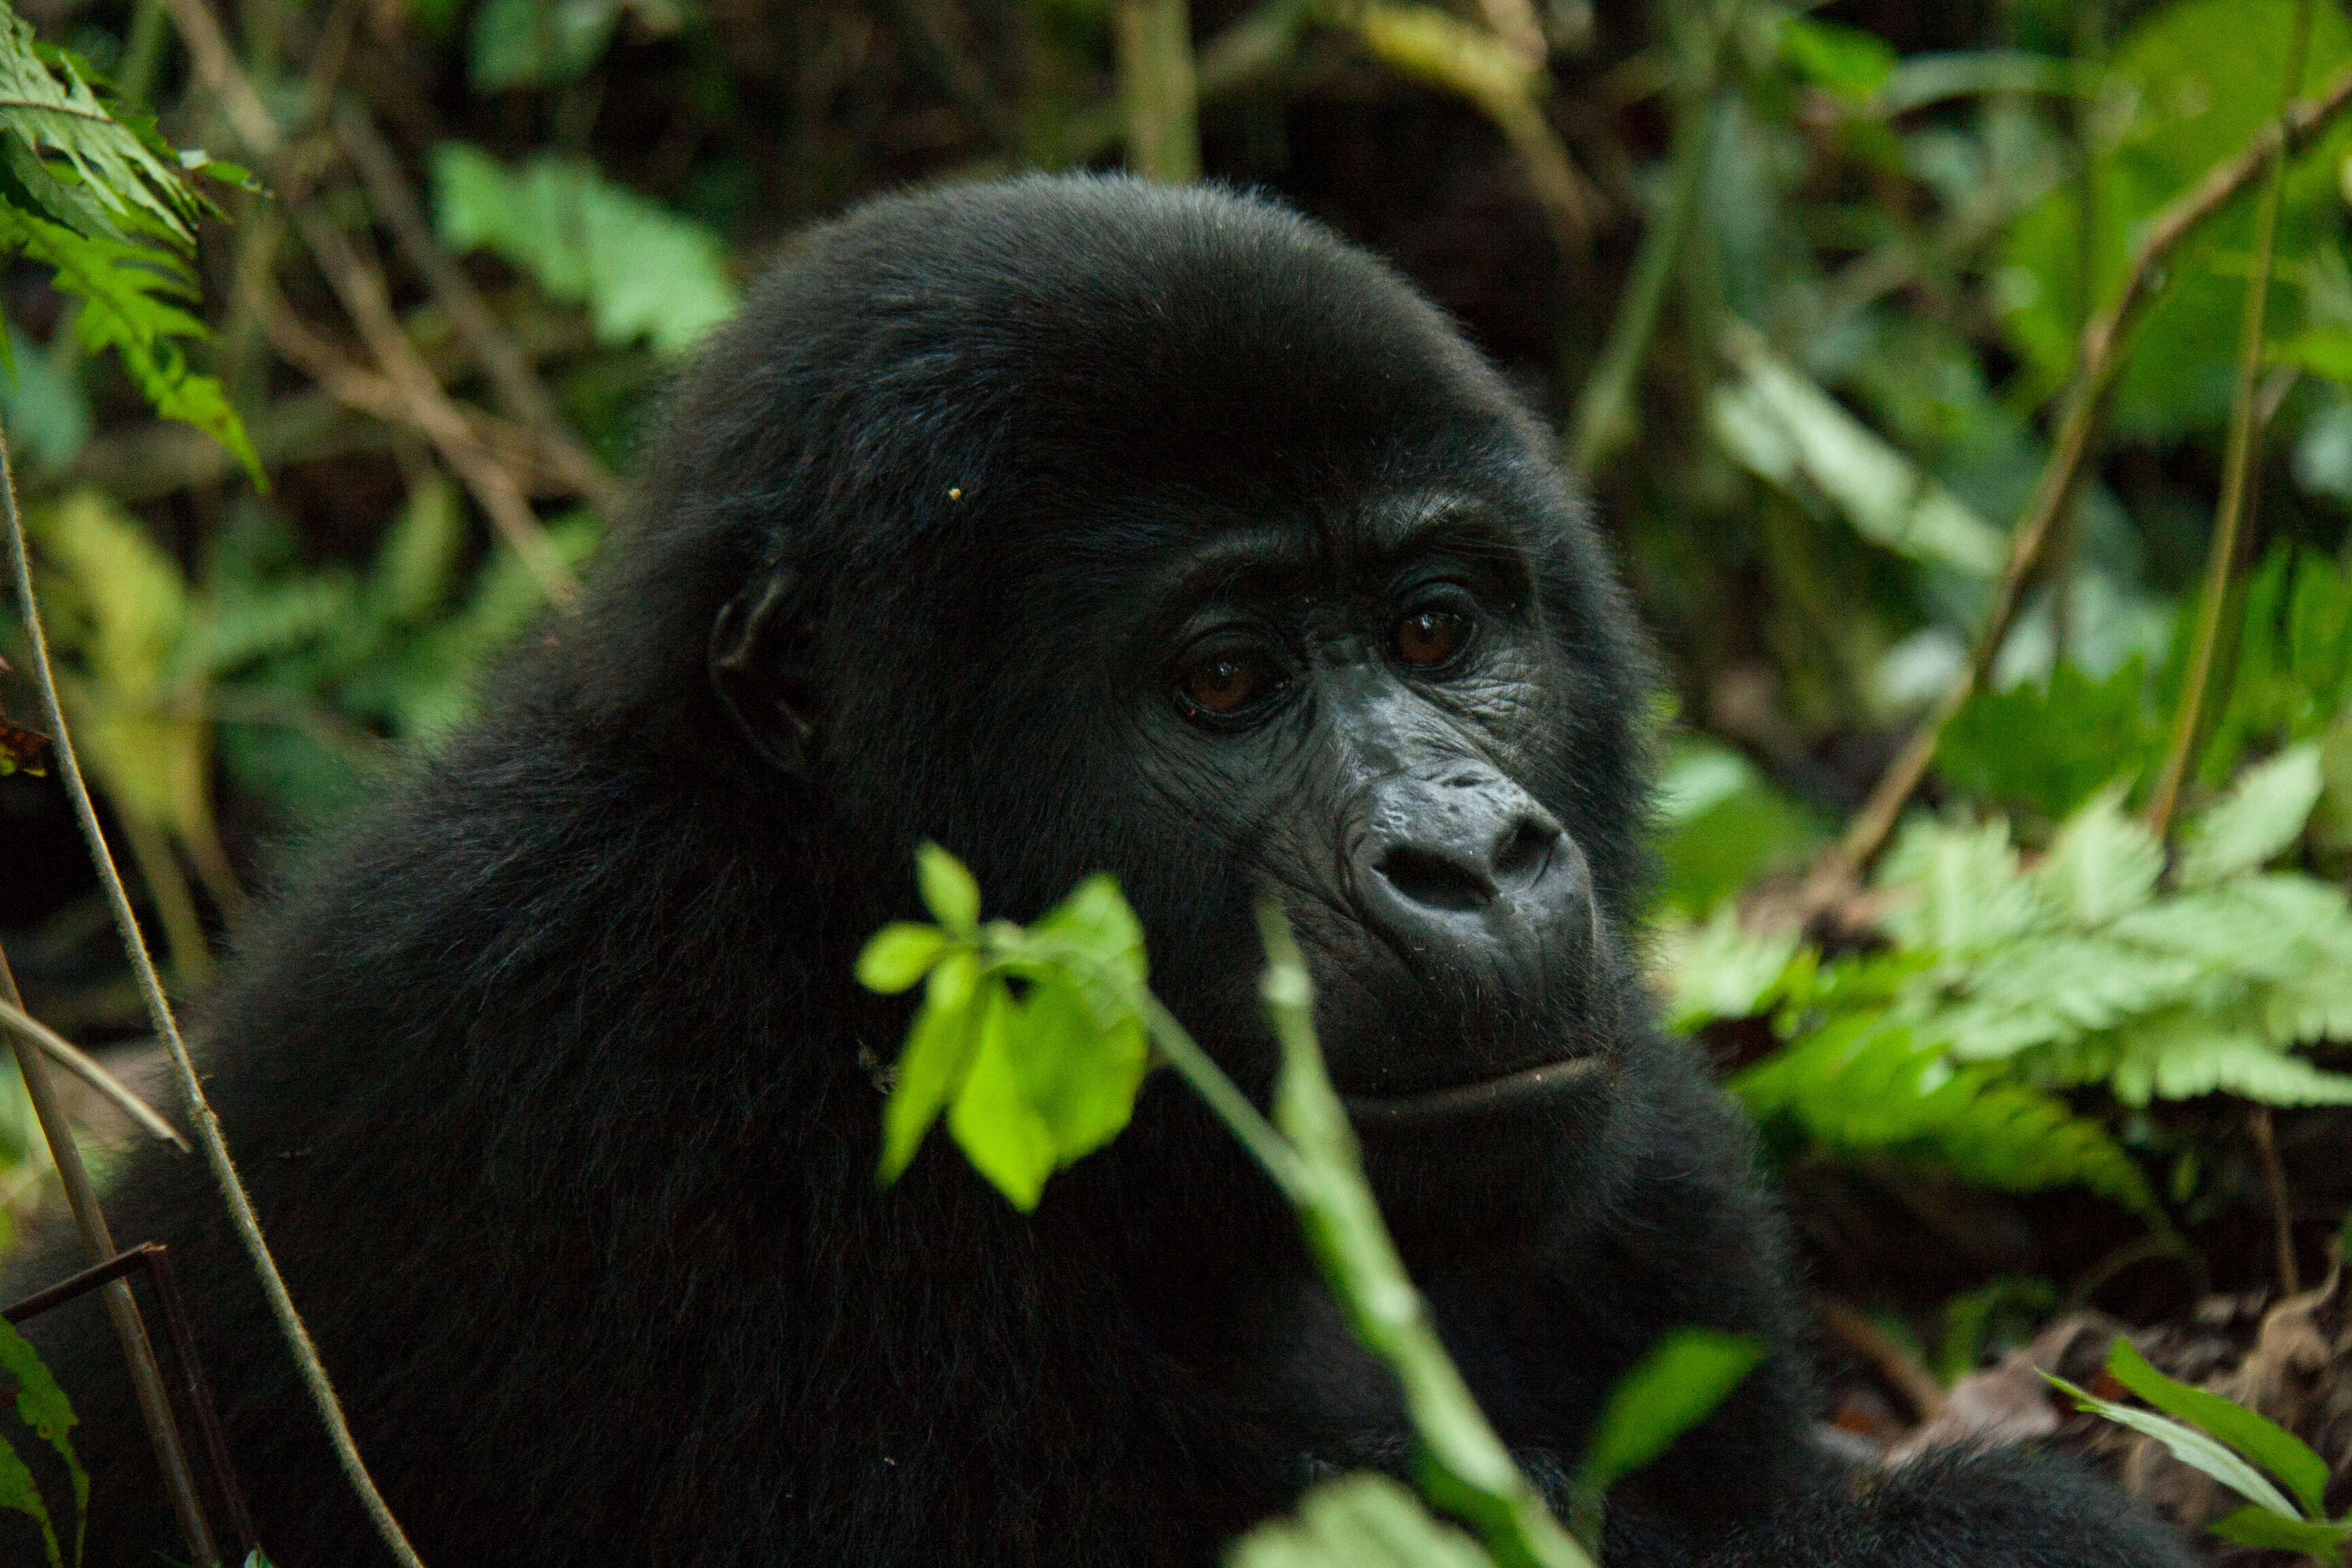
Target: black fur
(546, 1076)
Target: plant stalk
(2237, 459)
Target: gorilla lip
(1383, 1112)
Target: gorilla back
(1080, 526)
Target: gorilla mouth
(1373, 1112)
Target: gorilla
(1080, 526)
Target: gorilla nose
(1471, 870)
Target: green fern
(93, 195)
(2003, 984)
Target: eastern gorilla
(1077, 524)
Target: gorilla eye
(1428, 638)
(1227, 682)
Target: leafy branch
(1033, 1044)
(2098, 364)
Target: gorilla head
(1081, 526)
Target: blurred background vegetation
(1802, 289)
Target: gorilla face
(1245, 590)
(1348, 712)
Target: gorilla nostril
(1426, 878)
(1526, 853)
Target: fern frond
(112, 174)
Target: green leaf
(949, 890)
(19, 1494)
(127, 292)
(2049, 745)
(112, 176)
(2322, 351)
(41, 1404)
(1669, 1391)
(1846, 61)
(1719, 970)
(934, 1062)
(2264, 1442)
(2262, 815)
(1079, 1072)
(1786, 430)
(1096, 931)
(2188, 1444)
(641, 270)
(417, 562)
(897, 955)
(2251, 1526)
(2105, 864)
(1359, 1520)
(994, 1118)
(1968, 897)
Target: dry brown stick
(362, 294)
(2258, 1118)
(83, 1065)
(2099, 359)
(490, 344)
(1897, 1365)
(362, 390)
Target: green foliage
(1361, 1521)
(98, 200)
(2235, 1447)
(535, 43)
(2187, 86)
(2049, 746)
(1674, 1387)
(641, 270)
(294, 672)
(2004, 983)
(1722, 825)
(1030, 1078)
(41, 1406)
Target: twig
(362, 294)
(159, 1008)
(81, 1195)
(85, 1066)
(2099, 359)
(490, 346)
(2258, 1120)
(1897, 1365)
(2237, 461)
(362, 390)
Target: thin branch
(2258, 1120)
(362, 293)
(362, 390)
(56, 1130)
(2237, 462)
(1897, 1365)
(85, 1066)
(491, 347)
(2099, 362)
(159, 1008)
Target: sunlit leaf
(2190, 1447)
(933, 1064)
(1361, 1521)
(2264, 1442)
(897, 956)
(1671, 1389)
(948, 889)
(2261, 814)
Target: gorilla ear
(759, 667)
